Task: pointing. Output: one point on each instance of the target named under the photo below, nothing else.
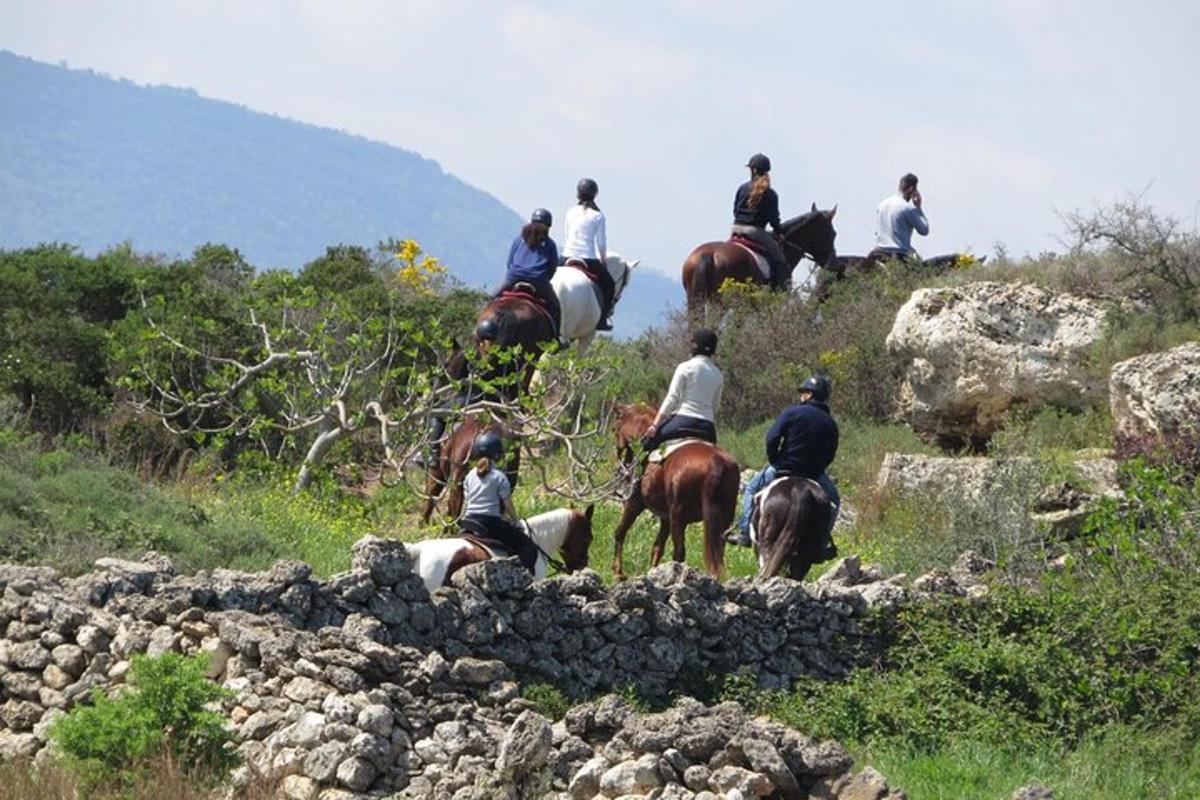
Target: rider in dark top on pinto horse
(803, 441)
(755, 206)
(532, 259)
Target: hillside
(94, 161)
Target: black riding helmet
(759, 162)
(487, 444)
(586, 189)
(819, 385)
(704, 342)
(543, 216)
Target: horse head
(621, 271)
(578, 540)
(810, 234)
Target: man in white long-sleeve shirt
(690, 407)
(899, 216)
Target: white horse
(577, 298)
(563, 529)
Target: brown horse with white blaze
(712, 263)
(564, 532)
(697, 482)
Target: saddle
(664, 450)
(591, 274)
(756, 252)
(523, 291)
(502, 545)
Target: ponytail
(482, 466)
(589, 203)
(759, 185)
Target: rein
(551, 561)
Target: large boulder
(1157, 396)
(972, 352)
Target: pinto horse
(697, 482)
(711, 264)
(512, 332)
(563, 530)
(788, 524)
(450, 468)
(577, 298)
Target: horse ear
(814, 208)
(634, 263)
(833, 212)
(587, 512)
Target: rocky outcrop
(1001, 487)
(972, 352)
(368, 684)
(1157, 396)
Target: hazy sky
(1008, 111)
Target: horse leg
(435, 482)
(678, 531)
(660, 541)
(454, 504)
(629, 514)
(798, 568)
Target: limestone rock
(526, 745)
(1033, 791)
(1157, 395)
(972, 352)
(632, 777)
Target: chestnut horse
(698, 482)
(512, 332)
(563, 530)
(788, 524)
(630, 423)
(450, 468)
(711, 264)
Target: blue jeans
(763, 478)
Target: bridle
(801, 249)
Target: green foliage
(548, 700)
(1047, 430)
(1110, 641)
(109, 740)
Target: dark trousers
(545, 293)
(680, 426)
(604, 280)
(504, 533)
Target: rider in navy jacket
(804, 440)
(532, 259)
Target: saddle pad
(759, 260)
(660, 453)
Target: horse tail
(719, 509)
(807, 517)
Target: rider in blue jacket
(532, 259)
(803, 441)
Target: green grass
(1121, 763)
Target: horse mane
(798, 221)
(549, 530)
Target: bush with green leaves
(165, 711)
(1109, 641)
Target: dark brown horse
(711, 264)
(450, 468)
(842, 267)
(789, 523)
(512, 332)
(698, 482)
(564, 532)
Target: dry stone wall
(366, 685)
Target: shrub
(114, 738)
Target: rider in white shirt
(586, 239)
(690, 407)
(899, 216)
